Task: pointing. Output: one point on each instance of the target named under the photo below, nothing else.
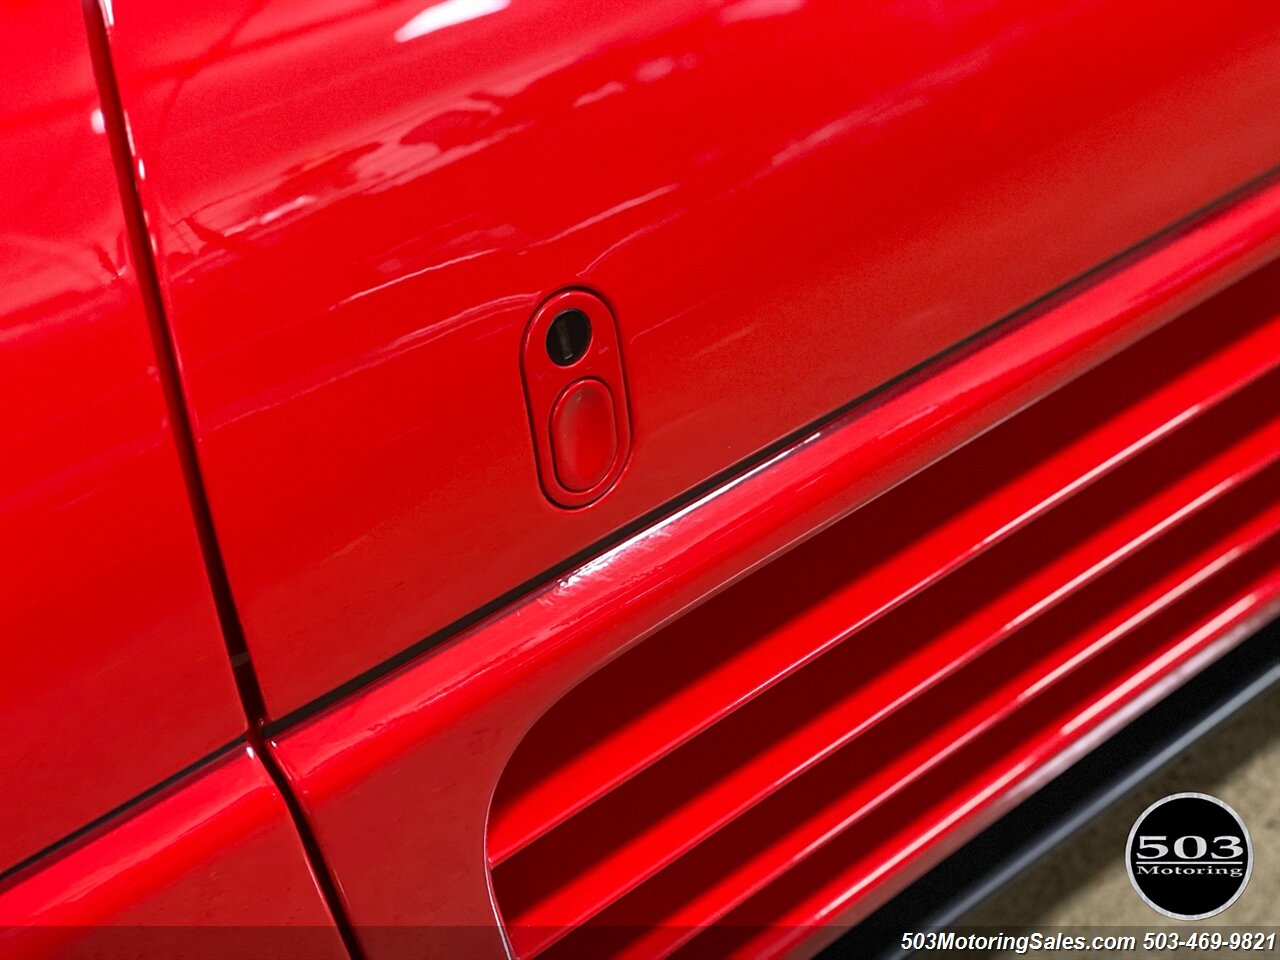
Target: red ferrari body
(926, 433)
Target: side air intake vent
(760, 763)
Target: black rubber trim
(1023, 314)
(1069, 802)
(325, 879)
(178, 408)
(128, 806)
(167, 368)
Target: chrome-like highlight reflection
(447, 14)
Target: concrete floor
(1084, 883)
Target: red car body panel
(412, 763)
(108, 625)
(355, 210)
(940, 436)
(209, 867)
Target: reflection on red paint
(785, 204)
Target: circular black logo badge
(1189, 856)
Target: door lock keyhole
(568, 337)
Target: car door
(357, 207)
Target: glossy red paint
(584, 442)
(409, 765)
(107, 625)
(356, 208)
(209, 867)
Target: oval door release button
(584, 434)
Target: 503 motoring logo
(1189, 856)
